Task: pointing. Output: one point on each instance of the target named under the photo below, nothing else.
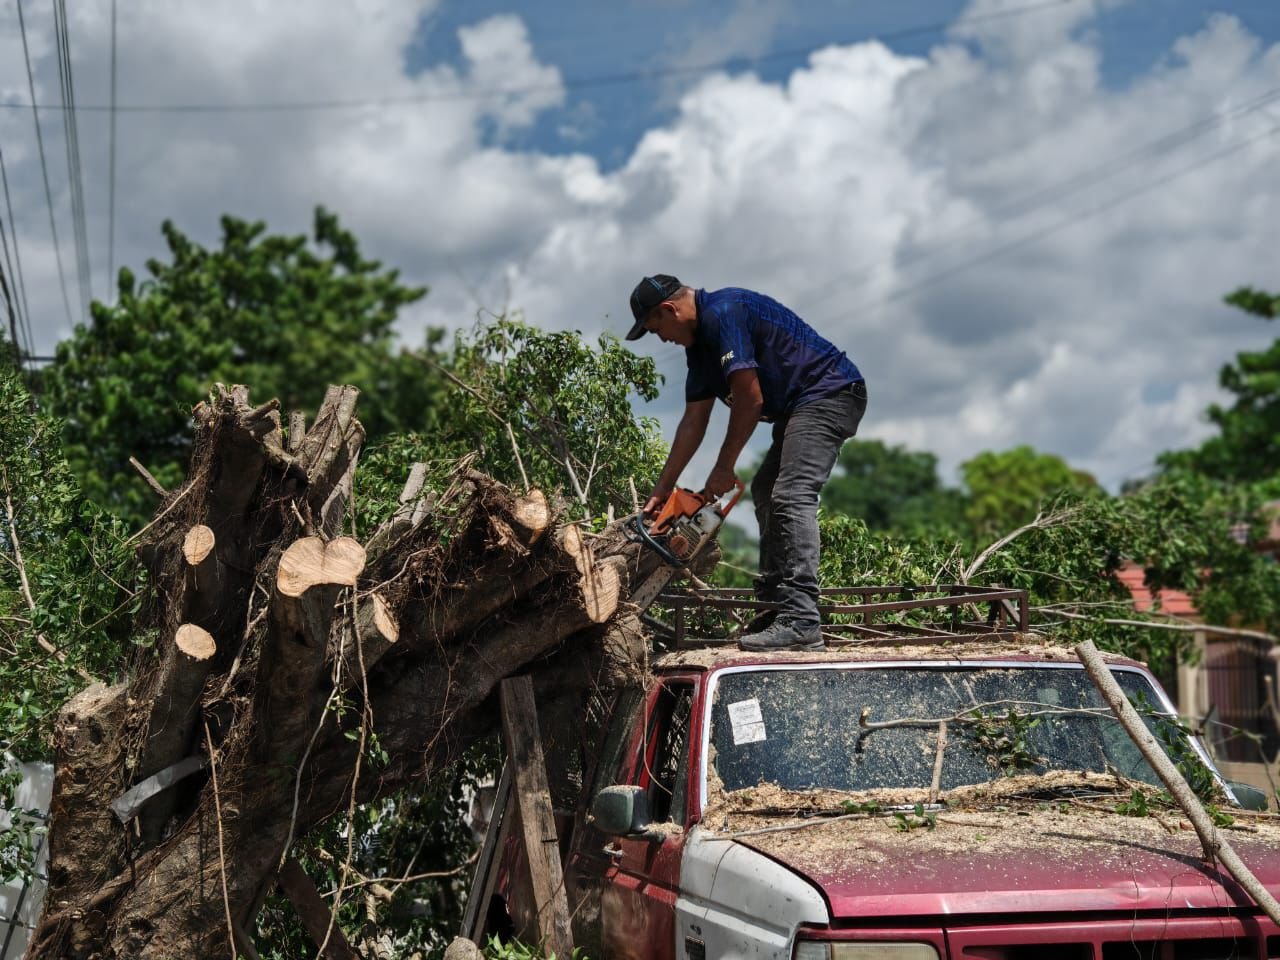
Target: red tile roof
(1173, 602)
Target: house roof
(1173, 602)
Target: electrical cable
(111, 172)
(570, 83)
(16, 327)
(1076, 183)
(44, 167)
(1077, 217)
(17, 255)
(75, 178)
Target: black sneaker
(784, 635)
(761, 621)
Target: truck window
(613, 765)
(667, 753)
(801, 728)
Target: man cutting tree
(767, 364)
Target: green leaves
(285, 315)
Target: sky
(1019, 217)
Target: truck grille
(1173, 938)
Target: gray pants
(786, 490)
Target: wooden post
(486, 874)
(537, 823)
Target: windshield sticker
(748, 724)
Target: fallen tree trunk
(265, 618)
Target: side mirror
(621, 811)
(1250, 798)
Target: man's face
(667, 320)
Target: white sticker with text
(748, 724)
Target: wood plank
(486, 873)
(537, 822)
(313, 911)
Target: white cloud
(946, 219)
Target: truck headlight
(866, 950)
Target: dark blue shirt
(740, 329)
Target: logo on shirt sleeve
(726, 358)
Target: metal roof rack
(868, 615)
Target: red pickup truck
(952, 801)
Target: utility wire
(44, 167)
(16, 328)
(111, 171)
(1007, 210)
(9, 299)
(1077, 217)
(75, 178)
(569, 83)
(17, 255)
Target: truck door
(638, 897)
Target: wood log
(365, 641)
(466, 594)
(309, 578)
(310, 562)
(175, 708)
(313, 912)
(1215, 845)
(198, 544)
(196, 642)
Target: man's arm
(744, 414)
(693, 426)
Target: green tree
(1246, 448)
(549, 408)
(68, 588)
(893, 490)
(282, 314)
(1006, 489)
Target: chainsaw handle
(739, 489)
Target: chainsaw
(684, 524)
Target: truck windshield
(800, 728)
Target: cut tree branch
(1216, 847)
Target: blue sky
(602, 40)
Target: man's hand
(655, 501)
(720, 482)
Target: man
(767, 364)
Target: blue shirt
(739, 330)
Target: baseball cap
(648, 293)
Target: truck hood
(1016, 863)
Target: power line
(17, 253)
(1081, 215)
(44, 167)
(15, 312)
(1082, 180)
(570, 83)
(111, 171)
(75, 178)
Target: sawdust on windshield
(1073, 812)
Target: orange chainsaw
(685, 523)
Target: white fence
(20, 900)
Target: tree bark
(265, 616)
(1215, 845)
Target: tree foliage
(893, 490)
(545, 409)
(282, 313)
(1246, 448)
(68, 586)
(1007, 489)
